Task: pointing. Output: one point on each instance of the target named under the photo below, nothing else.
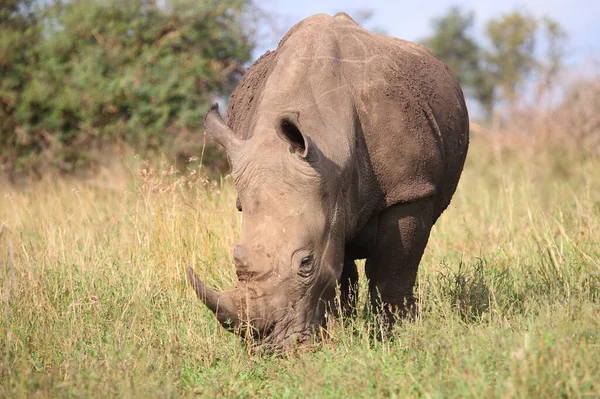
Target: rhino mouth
(280, 336)
(285, 328)
(291, 332)
(277, 342)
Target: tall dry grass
(95, 301)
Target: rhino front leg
(348, 288)
(402, 234)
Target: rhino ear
(288, 129)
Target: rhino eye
(238, 204)
(306, 265)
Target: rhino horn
(218, 130)
(220, 303)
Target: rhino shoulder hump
(342, 16)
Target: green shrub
(78, 77)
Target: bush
(86, 75)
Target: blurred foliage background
(517, 77)
(83, 82)
(80, 79)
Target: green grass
(95, 301)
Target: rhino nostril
(240, 256)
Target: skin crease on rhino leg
(402, 234)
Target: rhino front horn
(218, 130)
(221, 304)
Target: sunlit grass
(95, 301)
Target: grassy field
(95, 302)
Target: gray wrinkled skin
(344, 144)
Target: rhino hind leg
(402, 234)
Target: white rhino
(344, 144)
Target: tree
(133, 71)
(453, 42)
(512, 53)
(551, 61)
(500, 70)
(19, 34)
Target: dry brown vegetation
(95, 300)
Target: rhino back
(245, 98)
(390, 104)
(412, 113)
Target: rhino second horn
(218, 130)
(221, 304)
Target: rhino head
(290, 252)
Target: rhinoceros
(344, 144)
